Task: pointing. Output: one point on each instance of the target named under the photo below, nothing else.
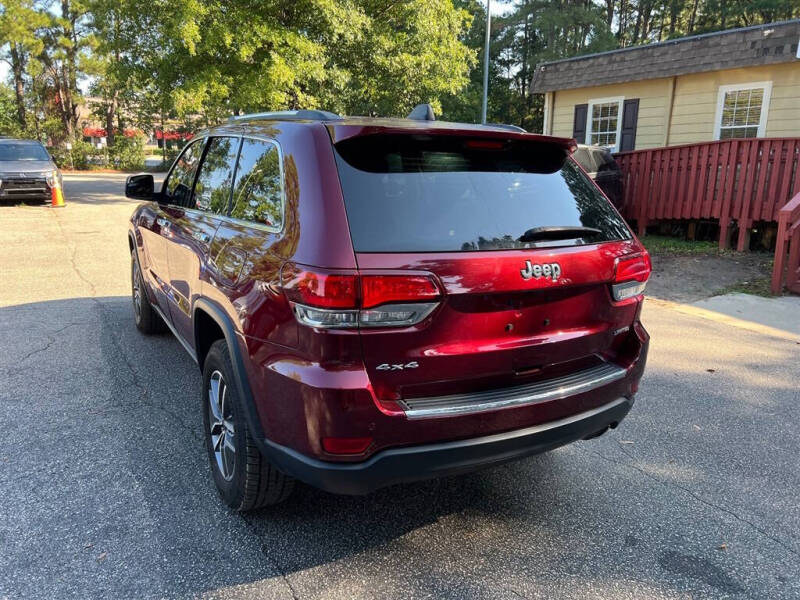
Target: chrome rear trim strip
(532, 393)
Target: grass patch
(662, 245)
(759, 286)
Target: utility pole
(486, 61)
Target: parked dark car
(27, 171)
(374, 301)
(599, 164)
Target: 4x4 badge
(397, 367)
(547, 270)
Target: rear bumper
(413, 463)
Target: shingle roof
(731, 49)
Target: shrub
(127, 153)
(81, 157)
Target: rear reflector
(630, 276)
(336, 445)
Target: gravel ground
(106, 491)
(696, 277)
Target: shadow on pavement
(107, 493)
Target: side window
(258, 193)
(178, 187)
(215, 179)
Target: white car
(27, 171)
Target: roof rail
(287, 115)
(508, 126)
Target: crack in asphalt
(104, 316)
(262, 546)
(51, 340)
(700, 499)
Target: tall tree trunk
(647, 20)
(18, 69)
(693, 17)
(111, 110)
(163, 139)
(674, 12)
(623, 22)
(610, 6)
(70, 67)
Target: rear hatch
(521, 245)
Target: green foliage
(82, 156)
(535, 31)
(661, 245)
(154, 62)
(127, 153)
(9, 125)
(355, 56)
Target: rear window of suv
(422, 193)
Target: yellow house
(731, 84)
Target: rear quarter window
(212, 190)
(258, 191)
(412, 193)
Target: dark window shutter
(630, 116)
(579, 123)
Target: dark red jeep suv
(374, 301)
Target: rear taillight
(381, 289)
(630, 276)
(351, 300)
(326, 290)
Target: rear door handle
(201, 237)
(162, 222)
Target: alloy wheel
(137, 290)
(221, 424)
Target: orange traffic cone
(57, 197)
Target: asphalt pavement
(105, 490)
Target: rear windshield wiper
(557, 232)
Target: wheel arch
(205, 313)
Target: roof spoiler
(422, 112)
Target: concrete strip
(776, 320)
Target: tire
(245, 479)
(146, 318)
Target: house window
(742, 110)
(603, 122)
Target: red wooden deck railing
(788, 235)
(745, 180)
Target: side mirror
(140, 187)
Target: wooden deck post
(788, 228)
(743, 243)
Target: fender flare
(240, 373)
(136, 248)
